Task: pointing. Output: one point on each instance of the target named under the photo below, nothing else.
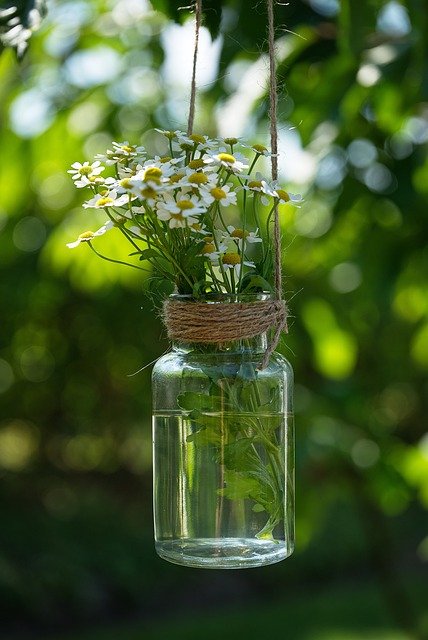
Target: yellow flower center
(198, 139)
(87, 235)
(259, 148)
(152, 173)
(176, 178)
(196, 164)
(255, 184)
(127, 148)
(208, 239)
(166, 159)
(103, 192)
(185, 205)
(209, 248)
(218, 193)
(186, 146)
(169, 134)
(96, 179)
(231, 141)
(226, 157)
(178, 216)
(231, 258)
(196, 226)
(198, 178)
(85, 171)
(148, 192)
(238, 233)
(104, 202)
(283, 195)
(126, 183)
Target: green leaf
(148, 253)
(238, 487)
(200, 402)
(252, 282)
(205, 436)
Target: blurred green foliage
(75, 539)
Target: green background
(76, 552)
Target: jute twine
(225, 322)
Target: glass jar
(223, 454)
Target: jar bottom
(223, 553)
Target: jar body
(223, 453)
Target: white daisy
(180, 212)
(234, 261)
(121, 151)
(237, 235)
(260, 150)
(213, 251)
(89, 182)
(254, 187)
(195, 141)
(87, 236)
(85, 170)
(149, 192)
(108, 199)
(156, 172)
(230, 142)
(223, 195)
(170, 134)
(282, 196)
(236, 162)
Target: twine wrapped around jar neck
(219, 322)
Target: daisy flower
(180, 212)
(230, 142)
(237, 235)
(149, 192)
(156, 171)
(254, 187)
(235, 163)
(223, 195)
(121, 151)
(85, 170)
(87, 236)
(90, 182)
(213, 251)
(169, 134)
(260, 150)
(282, 196)
(234, 261)
(195, 141)
(107, 199)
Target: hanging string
(281, 324)
(273, 99)
(201, 320)
(198, 10)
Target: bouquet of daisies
(178, 212)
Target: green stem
(128, 264)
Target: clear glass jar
(223, 453)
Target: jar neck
(255, 344)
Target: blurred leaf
(18, 20)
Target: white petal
(71, 245)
